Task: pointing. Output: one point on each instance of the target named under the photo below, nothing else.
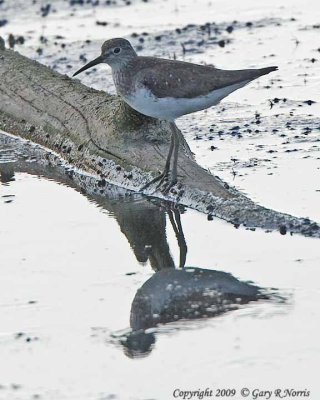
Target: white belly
(169, 108)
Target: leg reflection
(175, 220)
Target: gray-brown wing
(169, 78)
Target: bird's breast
(123, 83)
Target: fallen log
(101, 135)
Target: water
(83, 277)
(125, 297)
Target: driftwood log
(99, 134)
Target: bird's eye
(117, 50)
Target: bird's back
(168, 89)
(179, 79)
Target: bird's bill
(92, 63)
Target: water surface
(123, 297)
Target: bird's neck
(120, 79)
(122, 75)
(123, 63)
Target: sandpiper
(167, 89)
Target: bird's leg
(174, 174)
(165, 172)
(174, 169)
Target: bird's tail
(267, 70)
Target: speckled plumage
(168, 89)
(178, 79)
(166, 78)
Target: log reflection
(174, 292)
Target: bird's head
(114, 52)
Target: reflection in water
(6, 173)
(191, 293)
(175, 220)
(171, 294)
(144, 225)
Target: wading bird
(168, 89)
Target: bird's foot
(164, 183)
(160, 178)
(167, 186)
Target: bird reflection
(185, 294)
(144, 225)
(6, 173)
(173, 293)
(175, 220)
